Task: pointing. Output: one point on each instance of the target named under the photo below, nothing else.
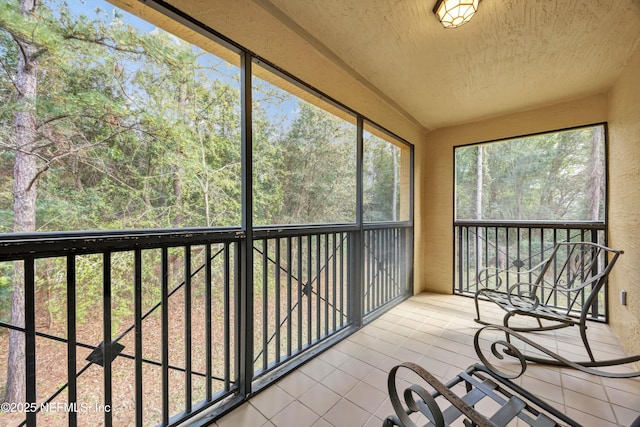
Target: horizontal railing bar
(301, 230)
(48, 244)
(272, 231)
(531, 224)
(386, 225)
(16, 245)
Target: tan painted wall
(434, 177)
(624, 202)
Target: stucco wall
(624, 202)
(434, 174)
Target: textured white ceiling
(513, 55)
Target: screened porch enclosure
(251, 228)
(244, 220)
(244, 225)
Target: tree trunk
(595, 174)
(24, 204)
(177, 192)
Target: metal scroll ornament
(502, 348)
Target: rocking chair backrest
(576, 271)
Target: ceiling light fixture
(454, 13)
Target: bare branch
(9, 74)
(101, 41)
(74, 150)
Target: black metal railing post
(139, 391)
(356, 240)
(30, 335)
(246, 244)
(106, 349)
(72, 390)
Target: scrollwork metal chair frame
(575, 272)
(464, 397)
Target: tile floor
(346, 385)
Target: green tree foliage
(381, 181)
(543, 177)
(132, 127)
(303, 161)
(318, 175)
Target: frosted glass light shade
(454, 13)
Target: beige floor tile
(373, 422)
(294, 415)
(271, 401)
(346, 385)
(544, 390)
(317, 369)
(436, 367)
(392, 337)
(630, 385)
(320, 399)
(347, 414)
(322, 423)
(378, 379)
(356, 368)
(407, 355)
(366, 396)
(387, 363)
(385, 347)
(363, 339)
(348, 347)
(624, 399)
(544, 373)
(585, 387)
(340, 382)
(245, 415)
(296, 383)
(334, 357)
(626, 416)
(589, 405)
(588, 420)
(371, 357)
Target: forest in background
(142, 130)
(556, 176)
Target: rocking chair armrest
(426, 402)
(556, 287)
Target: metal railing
(301, 291)
(149, 327)
(517, 246)
(386, 249)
